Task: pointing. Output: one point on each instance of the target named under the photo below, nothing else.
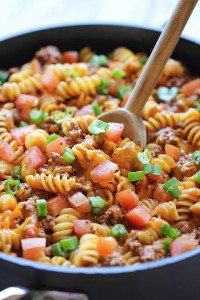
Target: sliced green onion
(72, 74)
(45, 115)
(18, 175)
(11, 186)
(196, 177)
(168, 231)
(133, 176)
(57, 251)
(98, 60)
(96, 204)
(143, 59)
(104, 87)
(96, 108)
(122, 90)
(167, 246)
(97, 127)
(174, 191)
(196, 157)
(118, 230)
(68, 155)
(156, 170)
(59, 118)
(52, 138)
(3, 77)
(22, 124)
(69, 244)
(165, 94)
(144, 157)
(147, 169)
(36, 116)
(198, 105)
(170, 183)
(41, 207)
(118, 73)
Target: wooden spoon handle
(159, 56)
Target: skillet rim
(97, 270)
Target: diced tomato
(86, 110)
(20, 133)
(104, 172)
(128, 199)
(32, 228)
(114, 131)
(139, 216)
(82, 227)
(126, 98)
(50, 80)
(36, 66)
(24, 104)
(80, 202)
(30, 233)
(115, 64)
(57, 146)
(33, 248)
(160, 195)
(56, 204)
(34, 158)
(155, 177)
(172, 151)
(70, 57)
(106, 245)
(114, 83)
(190, 87)
(182, 244)
(6, 153)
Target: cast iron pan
(171, 278)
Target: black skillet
(171, 278)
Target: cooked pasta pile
(73, 192)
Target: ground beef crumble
(151, 252)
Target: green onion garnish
(198, 105)
(98, 60)
(72, 74)
(57, 251)
(165, 94)
(196, 177)
(69, 244)
(143, 59)
(45, 115)
(17, 175)
(167, 246)
(174, 191)
(122, 90)
(144, 157)
(36, 116)
(169, 231)
(118, 73)
(59, 118)
(156, 170)
(11, 186)
(96, 204)
(96, 108)
(133, 176)
(52, 138)
(41, 207)
(196, 157)
(22, 124)
(147, 168)
(3, 77)
(170, 183)
(118, 230)
(97, 127)
(104, 87)
(68, 155)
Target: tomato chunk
(20, 133)
(139, 216)
(36, 66)
(24, 104)
(6, 153)
(155, 177)
(128, 199)
(33, 248)
(80, 202)
(86, 110)
(56, 204)
(82, 227)
(182, 244)
(104, 172)
(34, 158)
(106, 245)
(160, 195)
(50, 80)
(70, 57)
(190, 87)
(126, 98)
(114, 83)
(114, 131)
(173, 151)
(57, 146)
(115, 64)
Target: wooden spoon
(130, 115)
